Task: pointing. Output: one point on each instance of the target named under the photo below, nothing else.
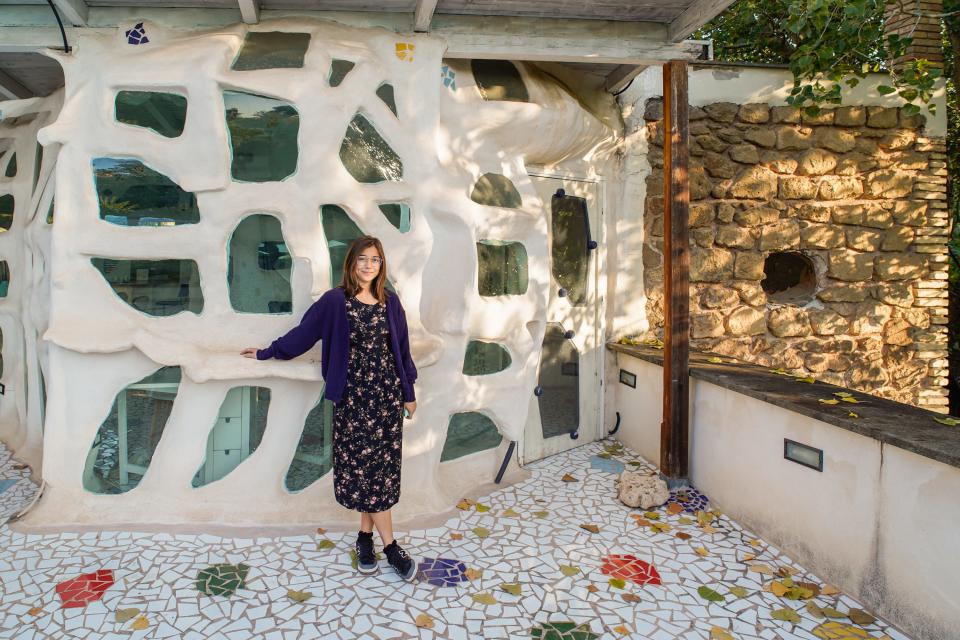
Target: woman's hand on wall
(249, 352)
(410, 408)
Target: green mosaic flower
(222, 579)
(563, 631)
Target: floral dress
(368, 420)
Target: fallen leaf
(540, 514)
(354, 562)
(651, 515)
(592, 528)
(125, 615)
(761, 568)
(830, 612)
(831, 401)
(852, 414)
(140, 624)
(860, 617)
(815, 610)
(424, 621)
(685, 520)
(473, 574)
(843, 394)
(630, 597)
(707, 528)
(755, 543)
(481, 532)
(35, 611)
(509, 513)
(20, 466)
(747, 557)
(325, 544)
(739, 592)
(683, 536)
(592, 588)
(811, 587)
(513, 588)
(808, 380)
(661, 527)
(456, 536)
(321, 530)
(785, 572)
(829, 590)
(709, 594)
(485, 598)
(299, 596)
(605, 456)
(786, 615)
(635, 463)
(621, 630)
(950, 422)
(642, 523)
(779, 371)
(702, 551)
(464, 505)
(481, 508)
(779, 589)
(569, 570)
(718, 633)
(618, 583)
(674, 508)
(852, 400)
(716, 360)
(568, 478)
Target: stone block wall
(861, 193)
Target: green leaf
(569, 570)
(950, 422)
(738, 592)
(786, 615)
(481, 532)
(325, 544)
(709, 594)
(617, 583)
(484, 598)
(513, 588)
(884, 90)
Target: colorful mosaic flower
(606, 464)
(449, 77)
(563, 631)
(404, 51)
(85, 588)
(442, 572)
(690, 499)
(833, 630)
(222, 579)
(627, 567)
(137, 35)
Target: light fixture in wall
(629, 379)
(803, 454)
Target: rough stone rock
(706, 325)
(794, 138)
(815, 235)
(864, 239)
(781, 235)
(824, 117)
(696, 113)
(750, 292)
(761, 136)
(758, 183)
(701, 213)
(716, 297)
(756, 216)
(722, 111)
(785, 115)
(778, 163)
(889, 183)
(843, 293)
(754, 113)
(641, 490)
(702, 236)
(834, 139)
(870, 317)
(898, 140)
(882, 117)
(912, 122)
(745, 154)
(785, 322)
(652, 252)
(827, 323)
(911, 160)
(897, 332)
(850, 267)
(730, 134)
(910, 212)
(850, 116)
(814, 212)
(749, 266)
(823, 362)
(877, 217)
(725, 212)
(699, 128)
(736, 237)
(897, 294)
(797, 188)
(718, 165)
(653, 109)
(700, 185)
(816, 162)
(712, 143)
(853, 164)
(746, 321)
(840, 188)
(848, 213)
(902, 266)
(916, 317)
(710, 265)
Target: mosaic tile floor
(554, 558)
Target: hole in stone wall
(495, 190)
(367, 156)
(11, 167)
(259, 266)
(790, 278)
(6, 211)
(154, 287)
(314, 455)
(385, 93)
(165, 113)
(339, 70)
(132, 194)
(272, 50)
(340, 230)
(484, 358)
(237, 433)
(499, 80)
(126, 440)
(4, 278)
(263, 137)
(502, 268)
(469, 432)
(398, 213)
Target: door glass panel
(484, 358)
(340, 231)
(154, 287)
(133, 194)
(367, 156)
(499, 80)
(314, 455)
(127, 439)
(263, 137)
(560, 381)
(569, 255)
(259, 266)
(4, 278)
(236, 434)
(272, 50)
(495, 190)
(165, 113)
(502, 268)
(6, 211)
(467, 433)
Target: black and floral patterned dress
(368, 420)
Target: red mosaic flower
(627, 567)
(85, 588)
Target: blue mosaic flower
(442, 572)
(449, 77)
(689, 498)
(606, 464)
(137, 35)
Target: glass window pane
(11, 167)
(50, 212)
(398, 213)
(495, 190)
(133, 194)
(367, 156)
(499, 80)
(4, 278)
(6, 211)
(314, 455)
(1, 353)
(37, 165)
(559, 379)
(484, 358)
(339, 70)
(263, 137)
(259, 266)
(468, 433)
(154, 287)
(569, 255)
(126, 440)
(502, 268)
(385, 93)
(272, 50)
(340, 231)
(236, 434)
(165, 113)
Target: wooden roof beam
(423, 15)
(249, 11)
(695, 16)
(72, 12)
(622, 76)
(11, 89)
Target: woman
(369, 375)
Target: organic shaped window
(37, 165)
(559, 382)
(50, 212)
(272, 50)
(4, 278)
(6, 212)
(1, 354)
(339, 70)
(263, 137)
(236, 434)
(165, 113)
(154, 287)
(340, 231)
(132, 194)
(398, 214)
(467, 433)
(385, 93)
(11, 171)
(499, 80)
(495, 190)
(569, 252)
(502, 268)
(259, 266)
(314, 455)
(367, 156)
(484, 358)
(124, 445)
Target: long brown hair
(349, 283)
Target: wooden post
(674, 430)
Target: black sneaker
(404, 565)
(366, 558)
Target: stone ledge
(894, 423)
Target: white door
(565, 408)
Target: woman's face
(368, 265)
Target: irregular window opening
(499, 80)
(50, 212)
(398, 213)
(789, 278)
(237, 433)
(4, 278)
(6, 212)
(495, 190)
(367, 156)
(340, 230)
(164, 113)
(259, 266)
(339, 70)
(385, 93)
(37, 165)
(127, 439)
(272, 50)
(12, 167)
(1, 353)
(263, 137)
(132, 194)
(569, 252)
(502, 268)
(154, 287)
(469, 432)
(314, 456)
(485, 358)
(559, 383)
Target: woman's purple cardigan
(326, 320)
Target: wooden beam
(11, 89)
(621, 76)
(423, 15)
(674, 430)
(249, 11)
(696, 15)
(72, 12)
(37, 39)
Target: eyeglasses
(375, 261)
